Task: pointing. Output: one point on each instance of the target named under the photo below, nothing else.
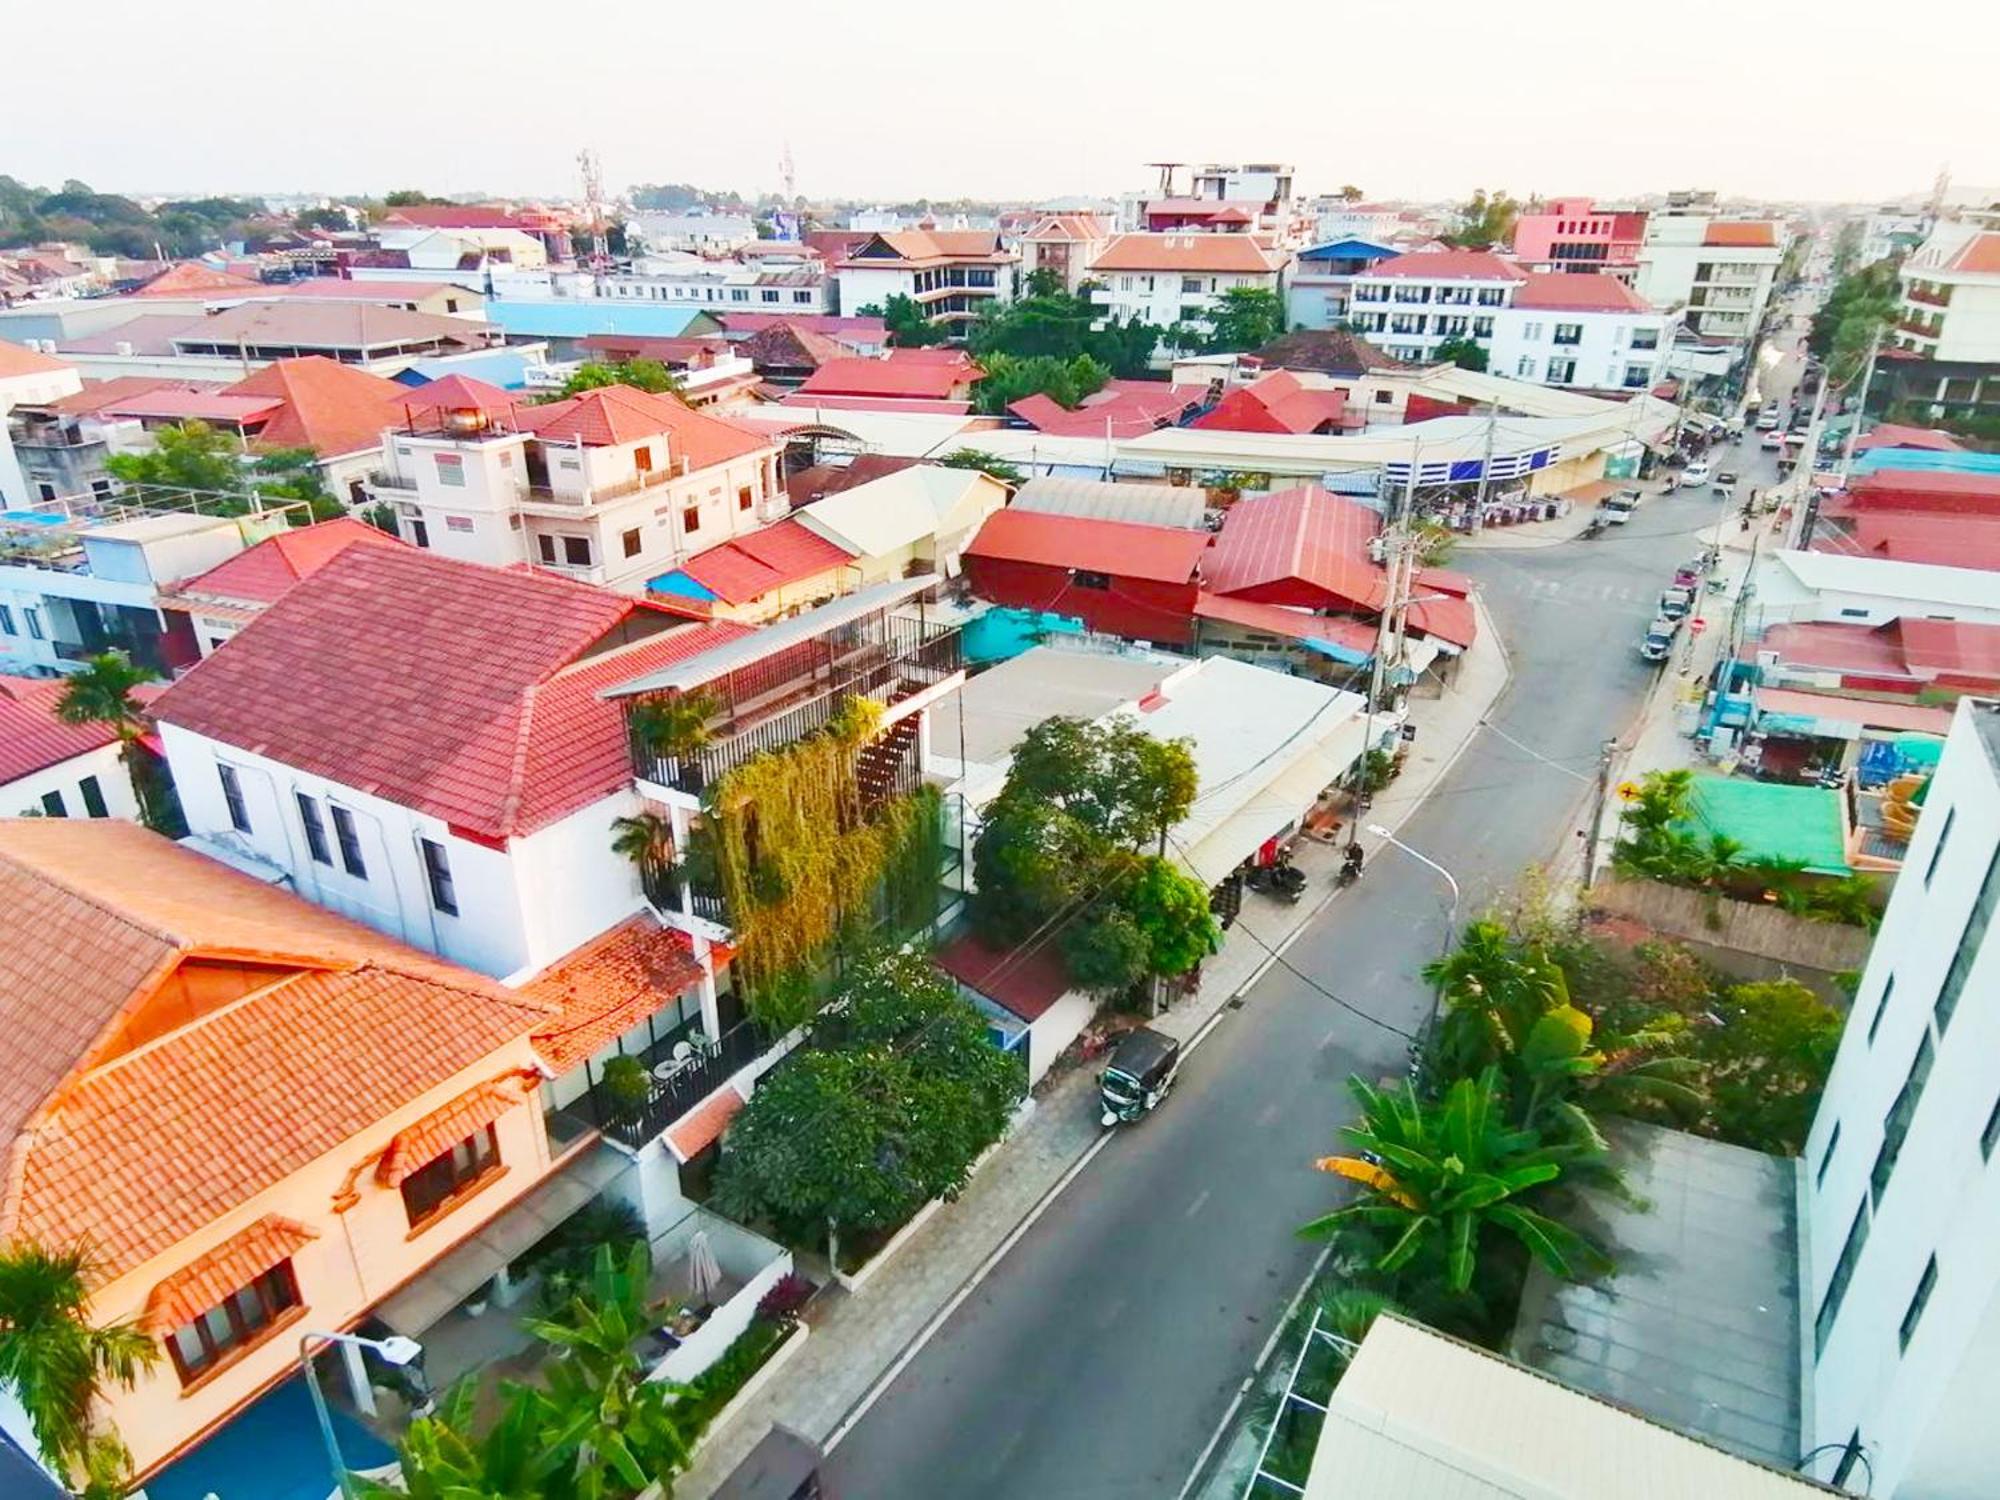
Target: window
(1896, 1127)
(745, 497)
(739, 294)
(432, 1187)
(34, 618)
(437, 874)
(93, 797)
(420, 533)
(642, 459)
(1843, 1272)
(1881, 1009)
(767, 296)
(1646, 338)
(1969, 940)
(458, 523)
(1561, 371)
(576, 551)
(802, 296)
(691, 519)
(1826, 1156)
(1855, 614)
(451, 470)
(1383, 398)
(6, 620)
(1569, 333)
(1482, 328)
(1937, 849)
(236, 1322)
(232, 794)
(315, 827)
(1914, 1313)
(631, 541)
(350, 843)
(52, 805)
(1190, 286)
(1084, 578)
(1525, 367)
(547, 546)
(1532, 332)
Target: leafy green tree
(294, 474)
(190, 456)
(1169, 909)
(1846, 248)
(1485, 219)
(640, 374)
(1105, 952)
(103, 693)
(1349, 194)
(1243, 318)
(1460, 351)
(1766, 1062)
(330, 217)
(1121, 783)
(909, 326)
(57, 1362)
(1445, 1181)
(1042, 282)
(1029, 863)
(408, 198)
(1009, 378)
(1862, 304)
(986, 463)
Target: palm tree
(57, 1362)
(1439, 1180)
(102, 693)
(1494, 989)
(647, 839)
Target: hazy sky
(1035, 98)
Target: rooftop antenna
(1934, 209)
(786, 176)
(593, 210)
(1167, 170)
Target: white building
(449, 249)
(27, 377)
(1717, 272)
(704, 234)
(950, 273)
(1065, 244)
(1337, 219)
(1893, 229)
(1900, 1263)
(1591, 332)
(1164, 279)
(1951, 301)
(612, 487)
(50, 769)
(724, 286)
(1413, 303)
(1792, 586)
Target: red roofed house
(950, 273)
(1905, 658)
(1411, 303)
(1717, 273)
(1118, 577)
(1280, 402)
(895, 376)
(1123, 408)
(1947, 334)
(216, 604)
(615, 486)
(1583, 332)
(1164, 279)
(52, 769)
(27, 378)
(1063, 245)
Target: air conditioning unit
(1766, 660)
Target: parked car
(1618, 508)
(1658, 642)
(1675, 604)
(1772, 439)
(1769, 419)
(1725, 481)
(1695, 475)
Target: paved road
(1098, 1357)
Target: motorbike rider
(1350, 863)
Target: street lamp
(395, 1350)
(1451, 917)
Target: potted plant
(628, 1088)
(673, 726)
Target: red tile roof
(330, 407)
(1449, 265)
(32, 738)
(1300, 534)
(15, 360)
(1129, 406)
(1979, 254)
(192, 279)
(1276, 403)
(609, 985)
(459, 393)
(424, 1141)
(931, 247)
(752, 566)
(1295, 624)
(702, 1127)
(872, 330)
(1742, 234)
(463, 691)
(1587, 293)
(465, 216)
(1896, 435)
(232, 1265)
(1166, 554)
(131, 1135)
(1221, 253)
(819, 402)
(265, 573)
(1026, 982)
(98, 395)
(789, 346)
(1055, 227)
(920, 380)
(616, 414)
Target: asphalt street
(1098, 1357)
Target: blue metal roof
(678, 583)
(1352, 249)
(580, 317)
(1923, 460)
(506, 368)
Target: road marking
(1195, 1207)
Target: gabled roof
(193, 279)
(1127, 407)
(789, 346)
(927, 247)
(751, 566)
(1742, 234)
(616, 414)
(15, 360)
(1164, 554)
(913, 379)
(131, 1129)
(456, 392)
(99, 395)
(1275, 403)
(1305, 534)
(296, 323)
(1232, 253)
(265, 573)
(33, 738)
(1979, 255)
(1565, 293)
(330, 407)
(913, 505)
(609, 985)
(1898, 435)
(462, 691)
(1068, 227)
(1449, 265)
(1326, 351)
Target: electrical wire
(1531, 751)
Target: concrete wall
(22, 797)
(1762, 932)
(1055, 1029)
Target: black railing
(706, 1070)
(662, 885)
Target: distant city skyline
(892, 104)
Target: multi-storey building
(1164, 279)
(1064, 244)
(1898, 1265)
(950, 273)
(1946, 340)
(614, 486)
(1589, 332)
(797, 287)
(1717, 272)
(28, 377)
(1320, 284)
(1413, 303)
(1577, 235)
(1893, 229)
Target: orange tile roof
(265, 573)
(1236, 253)
(615, 414)
(703, 1126)
(330, 407)
(239, 1260)
(922, 380)
(425, 1141)
(96, 395)
(134, 1149)
(32, 738)
(1742, 234)
(1981, 253)
(14, 360)
(193, 279)
(608, 986)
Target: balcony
(597, 494)
(1930, 296)
(678, 1085)
(388, 479)
(1919, 328)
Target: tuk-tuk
(1137, 1077)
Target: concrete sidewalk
(860, 1340)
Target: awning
(229, 1267)
(441, 1129)
(702, 1126)
(1279, 802)
(455, 1276)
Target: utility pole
(1595, 833)
(1860, 407)
(1396, 545)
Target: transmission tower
(787, 179)
(593, 211)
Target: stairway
(887, 765)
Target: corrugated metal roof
(1165, 554)
(1182, 506)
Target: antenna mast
(599, 262)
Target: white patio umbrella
(704, 1274)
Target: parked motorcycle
(1281, 878)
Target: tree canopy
(909, 325)
(1485, 219)
(1461, 351)
(1862, 304)
(986, 463)
(196, 459)
(1241, 319)
(1048, 322)
(111, 224)
(641, 374)
(1009, 378)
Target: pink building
(1575, 235)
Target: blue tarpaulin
(1923, 460)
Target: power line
(1531, 751)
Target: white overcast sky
(1028, 98)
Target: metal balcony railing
(711, 1065)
